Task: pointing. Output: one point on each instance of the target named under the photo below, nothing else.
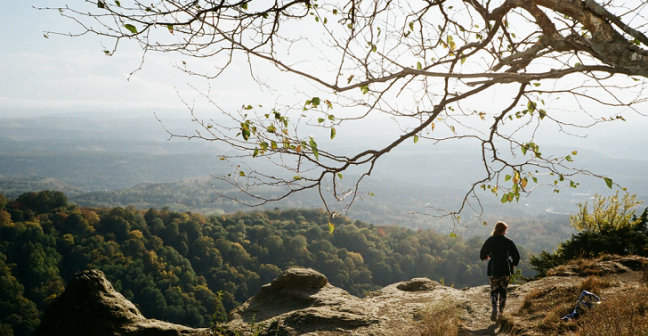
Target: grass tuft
(438, 318)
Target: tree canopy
(429, 65)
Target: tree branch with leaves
(427, 65)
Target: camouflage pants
(498, 285)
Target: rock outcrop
(302, 302)
(90, 306)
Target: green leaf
(349, 79)
(331, 117)
(569, 158)
(313, 145)
(574, 152)
(453, 235)
(504, 198)
(534, 179)
(131, 28)
(411, 26)
(463, 60)
(507, 177)
(100, 4)
(170, 28)
(416, 138)
(531, 106)
(273, 145)
(264, 145)
(331, 228)
(245, 133)
(335, 11)
(542, 113)
(537, 84)
(333, 132)
(364, 89)
(296, 177)
(419, 66)
(244, 5)
(256, 152)
(315, 101)
(524, 150)
(117, 3)
(339, 175)
(272, 129)
(608, 181)
(241, 173)
(374, 48)
(320, 120)
(249, 107)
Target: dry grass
(622, 315)
(644, 274)
(543, 308)
(438, 319)
(583, 266)
(594, 284)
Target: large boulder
(301, 301)
(90, 306)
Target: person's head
(500, 229)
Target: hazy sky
(62, 74)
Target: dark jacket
(503, 254)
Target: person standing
(503, 257)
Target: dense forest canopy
(488, 73)
(190, 269)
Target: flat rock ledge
(90, 306)
(302, 302)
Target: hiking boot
(494, 315)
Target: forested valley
(191, 269)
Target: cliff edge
(302, 302)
